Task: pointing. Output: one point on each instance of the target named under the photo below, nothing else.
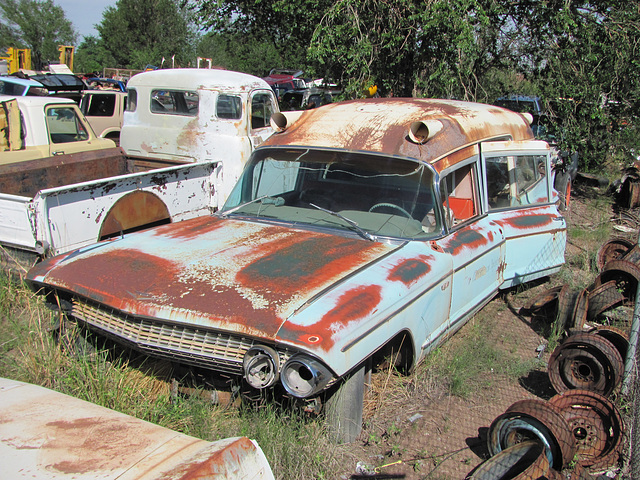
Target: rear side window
(65, 126)
(229, 107)
(516, 180)
(8, 88)
(101, 106)
(132, 100)
(174, 102)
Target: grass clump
(472, 361)
(35, 349)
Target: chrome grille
(185, 344)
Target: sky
(84, 14)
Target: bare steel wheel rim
(595, 424)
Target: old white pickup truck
(50, 204)
(187, 115)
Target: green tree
(92, 56)
(588, 69)
(38, 25)
(141, 32)
(240, 52)
(283, 26)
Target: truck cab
(194, 115)
(42, 127)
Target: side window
(65, 126)
(262, 107)
(459, 191)
(174, 102)
(498, 182)
(516, 180)
(229, 107)
(101, 106)
(530, 171)
(132, 100)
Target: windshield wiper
(277, 201)
(363, 233)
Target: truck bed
(27, 178)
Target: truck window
(101, 105)
(132, 100)
(229, 107)
(174, 102)
(65, 126)
(262, 107)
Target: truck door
(68, 132)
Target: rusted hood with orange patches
(228, 274)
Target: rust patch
(528, 221)
(302, 262)
(411, 270)
(354, 305)
(465, 239)
(101, 277)
(189, 229)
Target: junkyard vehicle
(46, 434)
(363, 228)
(283, 80)
(64, 85)
(62, 188)
(21, 87)
(104, 109)
(187, 115)
(42, 127)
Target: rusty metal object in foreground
(45, 434)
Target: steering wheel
(392, 206)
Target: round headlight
(261, 366)
(303, 376)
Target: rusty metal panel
(45, 434)
(28, 177)
(382, 124)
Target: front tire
(343, 409)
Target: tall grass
(35, 349)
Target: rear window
(174, 102)
(65, 126)
(229, 107)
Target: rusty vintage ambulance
(361, 228)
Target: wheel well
(135, 211)
(397, 352)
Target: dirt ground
(434, 435)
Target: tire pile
(579, 431)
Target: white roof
(21, 81)
(36, 101)
(198, 78)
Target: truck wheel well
(136, 210)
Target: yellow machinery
(66, 55)
(17, 58)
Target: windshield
(370, 195)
